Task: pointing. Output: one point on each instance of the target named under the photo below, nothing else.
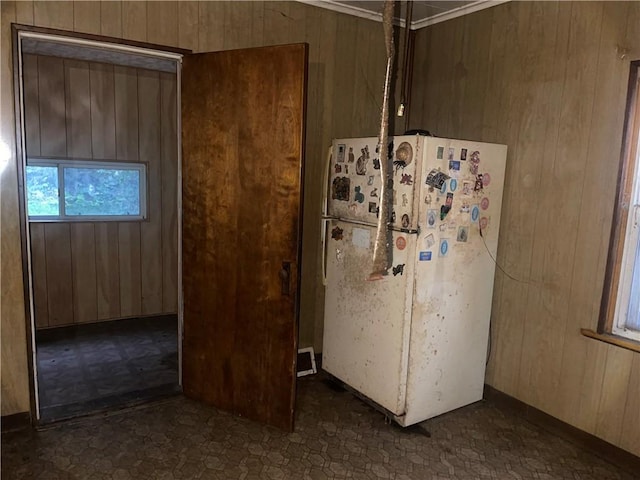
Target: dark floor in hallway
(336, 436)
(86, 368)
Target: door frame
(79, 41)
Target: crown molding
(377, 17)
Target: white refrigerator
(414, 343)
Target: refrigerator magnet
(405, 200)
(336, 233)
(405, 221)
(359, 196)
(429, 240)
(486, 179)
(431, 218)
(463, 234)
(444, 247)
(406, 179)
(401, 243)
(440, 153)
(479, 183)
(436, 179)
(484, 223)
(474, 161)
(454, 165)
(373, 207)
(475, 213)
(340, 189)
(427, 199)
(341, 151)
(463, 154)
(398, 269)
(443, 188)
(444, 210)
(404, 156)
(425, 256)
(370, 180)
(338, 168)
(352, 157)
(452, 152)
(466, 188)
(453, 185)
(484, 203)
(465, 207)
(363, 159)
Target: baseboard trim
(601, 448)
(17, 421)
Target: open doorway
(101, 214)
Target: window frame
(62, 216)
(609, 322)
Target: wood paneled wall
(346, 73)
(549, 80)
(88, 272)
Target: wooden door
(242, 143)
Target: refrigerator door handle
(325, 183)
(323, 246)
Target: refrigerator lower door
(367, 323)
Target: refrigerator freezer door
(453, 292)
(366, 326)
(355, 184)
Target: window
(620, 313)
(69, 190)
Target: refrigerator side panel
(366, 326)
(453, 289)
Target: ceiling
(424, 13)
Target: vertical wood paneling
(188, 25)
(126, 113)
(111, 18)
(129, 273)
(58, 261)
(151, 230)
(53, 14)
(24, 12)
(86, 16)
(555, 94)
(83, 270)
(210, 26)
(162, 23)
(169, 206)
(53, 136)
(103, 122)
(78, 109)
(39, 269)
(134, 20)
(31, 105)
(107, 270)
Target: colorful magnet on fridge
(479, 183)
(406, 179)
(444, 247)
(425, 256)
(373, 207)
(463, 234)
(359, 196)
(442, 227)
(404, 156)
(444, 210)
(336, 233)
(436, 179)
(431, 218)
(463, 154)
(429, 240)
(466, 188)
(405, 200)
(484, 203)
(484, 223)
(465, 207)
(454, 165)
(440, 153)
(341, 151)
(443, 189)
(398, 269)
(453, 185)
(338, 168)
(374, 193)
(449, 201)
(376, 164)
(363, 159)
(427, 199)
(475, 213)
(486, 179)
(451, 154)
(474, 161)
(405, 221)
(352, 157)
(401, 243)
(370, 180)
(340, 189)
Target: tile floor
(336, 436)
(84, 368)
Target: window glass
(101, 191)
(42, 191)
